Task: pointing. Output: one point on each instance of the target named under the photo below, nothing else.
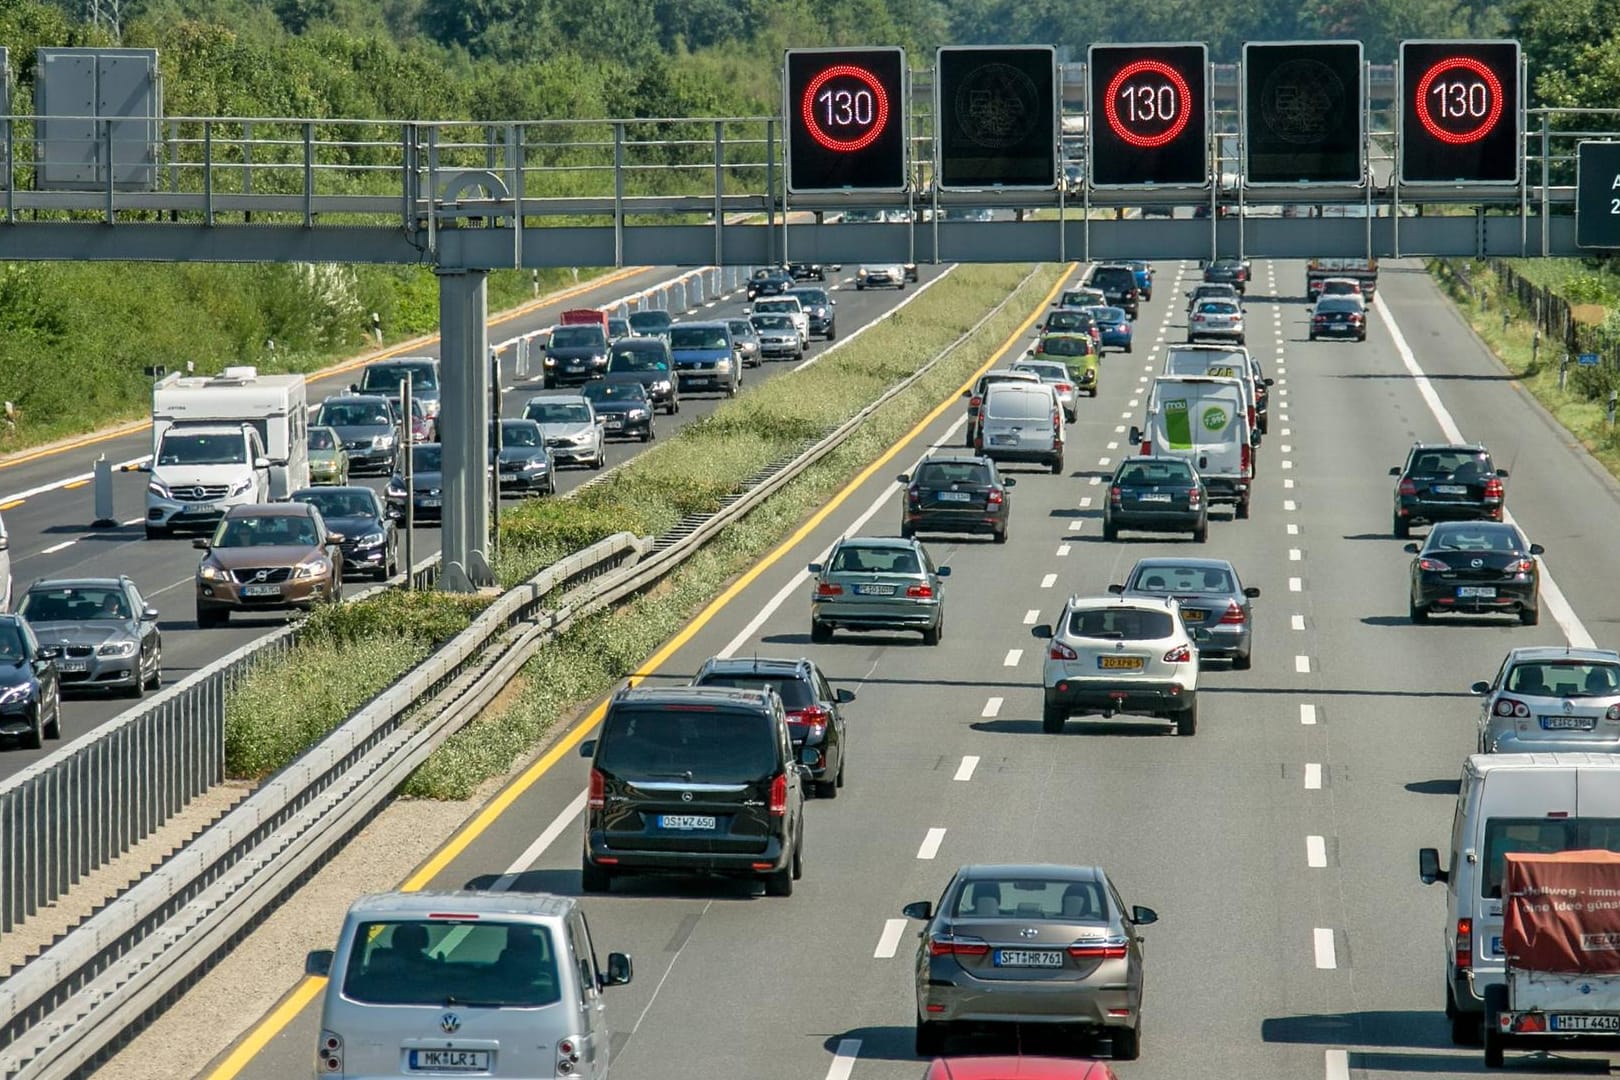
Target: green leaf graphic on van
(1215, 418)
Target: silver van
(496, 984)
(1022, 421)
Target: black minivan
(1118, 284)
(694, 780)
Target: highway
(49, 522)
(1278, 845)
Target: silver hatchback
(1030, 944)
(1546, 699)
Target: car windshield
(618, 328)
(577, 337)
(1167, 578)
(698, 337)
(271, 530)
(444, 964)
(1065, 346)
(11, 643)
(1080, 298)
(1459, 463)
(856, 559)
(1109, 315)
(740, 328)
(354, 414)
(637, 360)
(1541, 836)
(714, 746)
(341, 504)
(600, 392)
(322, 439)
(794, 692)
(427, 459)
(1120, 623)
(1136, 473)
(650, 320)
(222, 449)
(72, 604)
(1564, 678)
(1213, 290)
(811, 296)
(520, 434)
(561, 412)
(772, 322)
(1031, 898)
(387, 377)
(938, 474)
(1465, 538)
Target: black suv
(815, 721)
(769, 283)
(1447, 482)
(1233, 272)
(1118, 284)
(694, 780)
(808, 271)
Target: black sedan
(523, 462)
(101, 633)
(427, 485)
(626, 409)
(30, 695)
(815, 719)
(1474, 567)
(1339, 316)
(370, 537)
(1447, 482)
(1234, 272)
(769, 283)
(1156, 494)
(803, 271)
(956, 494)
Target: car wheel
(52, 728)
(930, 1038)
(1057, 465)
(1495, 1002)
(1242, 511)
(391, 567)
(781, 882)
(1187, 720)
(208, 618)
(1000, 535)
(601, 460)
(646, 436)
(820, 633)
(1530, 616)
(336, 593)
(593, 878)
(1242, 662)
(1418, 615)
(827, 789)
(34, 737)
(1401, 528)
(137, 688)
(731, 390)
(1053, 718)
(1466, 1028)
(1201, 533)
(932, 634)
(839, 782)
(798, 856)
(1127, 1043)
(907, 532)
(831, 333)
(1110, 531)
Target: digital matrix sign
(1303, 113)
(997, 117)
(1149, 115)
(1461, 113)
(846, 119)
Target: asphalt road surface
(51, 534)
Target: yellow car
(1077, 352)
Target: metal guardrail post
(107, 149)
(309, 175)
(719, 192)
(208, 172)
(247, 166)
(618, 194)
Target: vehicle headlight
(661, 384)
(381, 442)
(394, 491)
(241, 486)
(583, 438)
(212, 573)
(158, 488)
(370, 540)
(638, 414)
(722, 365)
(311, 568)
(535, 465)
(599, 361)
(13, 694)
(550, 361)
(117, 648)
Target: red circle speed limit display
(1460, 112)
(846, 120)
(1148, 115)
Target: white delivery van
(1510, 802)
(1221, 362)
(1203, 420)
(200, 471)
(1022, 421)
(491, 984)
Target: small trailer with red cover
(1561, 935)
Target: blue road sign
(1588, 359)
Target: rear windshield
(699, 337)
(1069, 320)
(463, 964)
(715, 746)
(1154, 472)
(795, 694)
(1450, 462)
(1217, 307)
(1564, 678)
(380, 377)
(354, 414)
(1066, 346)
(577, 337)
(1113, 276)
(1544, 836)
(854, 559)
(1031, 898)
(1016, 402)
(1046, 372)
(1464, 538)
(636, 359)
(1121, 624)
(654, 320)
(1183, 579)
(945, 473)
(1345, 304)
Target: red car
(1018, 1068)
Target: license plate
(1450, 489)
(1568, 723)
(430, 504)
(1003, 440)
(261, 590)
(874, 590)
(685, 821)
(203, 508)
(1478, 591)
(954, 496)
(1582, 1022)
(449, 1060)
(1028, 958)
(73, 665)
(1119, 663)
(1154, 497)
(614, 423)
(1192, 615)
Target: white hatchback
(1216, 318)
(1120, 654)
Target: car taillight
(1613, 714)
(1319, 319)
(330, 1057)
(779, 795)
(827, 588)
(1064, 388)
(815, 717)
(951, 945)
(567, 1055)
(1181, 654)
(596, 797)
(1465, 944)
(1147, 447)
(1523, 566)
(920, 592)
(1113, 494)
(1509, 707)
(1111, 949)
(1060, 651)
(1355, 320)
(994, 497)
(1432, 564)
(1248, 458)
(1193, 498)
(1252, 421)
(913, 494)
(975, 401)
(1493, 488)
(1408, 488)
(1234, 613)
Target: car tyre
(601, 460)
(1110, 531)
(1420, 616)
(820, 632)
(1530, 616)
(1243, 662)
(1242, 510)
(827, 789)
(208, 618)
(34, 737)
(1201, 533)
(1127, 350)
(1401, 528)
(831, 333)
(1057, 465)
(52, 728)
(1127, 1043)
(1000, 535)
(1495, 1002)
(136, 690)
(907, 532)
(647, 436)
(1187, 720)
(781, 882)
(156, 681)
(1466, 1028)
(1053, 718)
(593, 878)
(839, 780)
(932, 634)
(930, 1038)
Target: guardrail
(90, 801)
(65, 1008)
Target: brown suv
(268, 557)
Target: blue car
(1115, 328)
(1144, 276)
(705, 357)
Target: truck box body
(1363, 270)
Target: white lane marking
(843, 1062)
(1285, 432)
(1126, 415)
(1085, 501)
(1104, 461)
(1095, 480)
(1315, 852)
(1293, 530)
(964, 771)
(1286, 448)
(930, 844)
(1134, 402)
(1558, 606)
(1338, 1065)
(991, 709)
(1281, 382)
(1112, 446)
(1297, 622)
(1287, 464)
(1302, 665)
(1141, 378)
(889, 941)
(1307, 714)
(1289, 505)
(1012, 658)
(1048, 581)
(1120, 430)
(1288, 482)
(63, 546)
(1313, 776)
(1032, 616)
(532, 853)
(1283, 417)
(1325, 958)
(1294, 555)
(1063, 549)
(1295, 585)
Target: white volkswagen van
(1205, 421)
(1022, 421)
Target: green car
(1077, 352)
(878, 583)
(328, 461)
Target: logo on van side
(1215, 418)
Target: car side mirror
(601, 421)
(149, 614)
(1481, 687)
(1143, 916)
(318, 963)
(1116, 588)
(919, 909)
(1502, 473)
(261, 463)
(943, 571)
(145, 467)
(335, 538)
(1135, 436)
(967, 393)
(1411, 549)
(587, 749)
(201, 543)
(1043, 632)
(1251, 591)
(5, 543)
(354, 388)
(844, 697)
(748, 311)
(1009, 481)
(1429, 869)
(43, 655)
(619, 970)
(1268, 382)
(1537, 549)
(814, 568)
(903, 478)
(1395, 471)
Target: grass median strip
(352, 653)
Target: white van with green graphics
(1204, 420)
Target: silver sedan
(1211, 596)
(1545, 699)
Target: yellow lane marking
(306, 990)
(75, 484)
(12, 503)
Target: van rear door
(1529, 809)
(1017, 417)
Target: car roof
(709, 324)
(713, 696)
(641, 341)
(955, 459)
(405, 361)
(1133, 600)
(368, 398)
(468, 902)
(1173, 560)
(567, 399)
(1472, 526)
(77, 583)
(1053, 871)
(1477, 448)
(317, 489)
(879, 542)
(280, 509)
(1560, 652)
(755, 665)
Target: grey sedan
(878, 583)
(1211, 596)
(1551, 698)
(100, 632)
(1037, 944)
